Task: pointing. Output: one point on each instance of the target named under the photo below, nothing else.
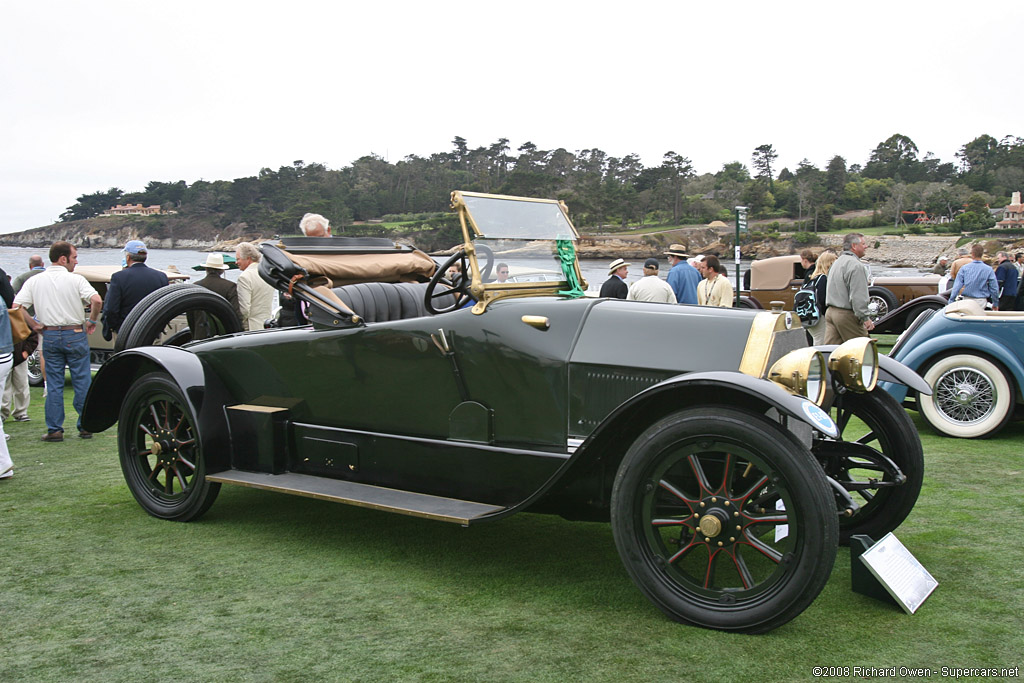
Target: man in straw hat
(615, 286)
(216, 282)
(651, 287)
(683, 278)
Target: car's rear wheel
(724, 521)
(972, 396)
(872, 425)
(151, 319)
(161, 451)
(34, 366)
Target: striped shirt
(976, 280)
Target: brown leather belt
(63, 328)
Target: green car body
(676, 423)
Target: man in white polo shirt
(58, 296)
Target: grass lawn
(269, 587)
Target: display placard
(905, 579)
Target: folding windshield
(517, 218)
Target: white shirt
(651, 288)
(59, 297)
(255, 298)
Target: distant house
(1013, 214)
(132, 210)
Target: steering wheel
(457, 286)
(485, 271)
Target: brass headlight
(855, 364)
(801, 372)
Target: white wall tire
(971, 397)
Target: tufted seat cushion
(382, 301)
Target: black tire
(749, 302)
(149, 319)
(873, 423)
(697, 476)
(161, 451)
(34, 366)
(972, 396)
(881, 302)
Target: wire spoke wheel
(972, 396)
(161, 452)
(965, 395)
(723, 520)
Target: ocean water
(14, 260)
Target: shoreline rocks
(917, 251)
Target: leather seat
(382, 301)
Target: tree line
(602, 190)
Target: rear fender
(201, 388)
(921, 356)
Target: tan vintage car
(100, 349)
(778, 279)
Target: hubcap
(710, 525)
(965, 396)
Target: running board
(361, 495)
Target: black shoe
(53, 437)
(84, 434)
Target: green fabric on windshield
(567, 255)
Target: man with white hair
(255, 297)
(315, 225)
(846, 294)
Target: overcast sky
(104, 93)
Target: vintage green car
(729, 457)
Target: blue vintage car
(974, 363)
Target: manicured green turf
(269, 587)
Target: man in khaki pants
(846, 294)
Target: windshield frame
(486, 292)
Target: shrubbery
(805, 239)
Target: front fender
(597, 458)
(717, 387)
(897, 318)
(920, 356)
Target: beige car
(99, 348)
(778, 279)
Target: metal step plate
(362, 495)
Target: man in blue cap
(129, 286)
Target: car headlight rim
(854, 364)
(801, 372)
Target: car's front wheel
(723, 520)
(874, 432)
(161, 451)
(972, 396)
